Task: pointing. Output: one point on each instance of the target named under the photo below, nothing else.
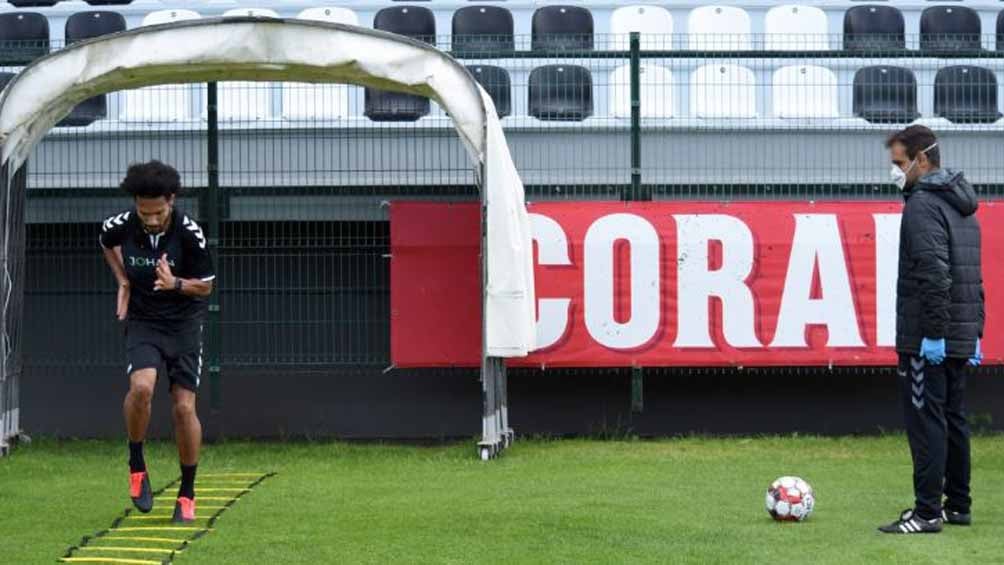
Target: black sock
(136, 463)
(187, 481)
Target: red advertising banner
(674, 283)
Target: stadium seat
(656, 94)
(417, 22)
(482, 29)
(308, 101)
(33, 3)
(654, 23)
(162, 103)
(108, 2)
(723, 91)
(966, 94)
(560, 93)
(88, 25)
(796, 28)
(561, 28)
(495, 81)
(381, 106)
(884, 94)
(874, 28)
(719, 28)
(250, 13)
(5, 78)
(24, 36)
(949, 28)
(804, 91)
(330, 14)
(169, 16)
(1000, 31)
(243, 101)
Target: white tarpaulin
(303, 51)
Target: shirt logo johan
(146, 262)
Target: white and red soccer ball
(790, 499)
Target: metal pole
(636, 190)
(210, 208)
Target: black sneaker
(139, 491)
(956, 518)
(909, 523)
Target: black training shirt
(185, 246)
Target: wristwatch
(177, 284)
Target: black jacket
(940, 286)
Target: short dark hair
(151, 179)
(916, 139)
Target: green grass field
(691, 500)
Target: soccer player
(164, 271)
(939, 325)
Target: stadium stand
(874, 28)
(949, 28)
(87, 25)
(482, 29)
(496, 82)
(24, 37)
(885, 94)
(966, 94)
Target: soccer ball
(790, 499)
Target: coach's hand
(933, 350)
(123, 302)
(165, 280)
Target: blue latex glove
(977, 357)
(933, 350)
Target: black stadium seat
(949, 28)
(88, 25)
(966, 94)
(885, 94)
(495, 81)
(5, 78)
(24, 36)
(482, 29)
(874, 28)
(33, 3)
(557, 28)
(108, 2)
(416, 22)
(561, 92)
(1000, 31)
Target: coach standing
(159, 258)
(939, 324)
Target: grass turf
(690, 500)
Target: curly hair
(150, 180)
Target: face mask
(899, 175)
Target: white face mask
(899, 175)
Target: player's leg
(184, 372)
(143, 361)
(957, 468)
(923, 397)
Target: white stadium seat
(243, 100)
(251, 12)
(796, 28)
(656, 98)
(331, 14)
(719, 28)
(164, 103)
(723, 91)
(805, 91)
(306, 101)
(655, 24)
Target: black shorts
(176, 344)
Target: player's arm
(166, 281)
(198, 261)
(111, 237)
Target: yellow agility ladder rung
(198, 498)
(162, 528)
(108, 560)
(142, 538)
(127, 549)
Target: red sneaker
(184, 510)
(139, 491)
